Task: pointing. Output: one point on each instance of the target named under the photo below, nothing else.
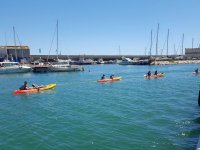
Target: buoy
(199, 98)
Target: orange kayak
(196, 72)
(33, 90)
(155, 76)
(110, 80)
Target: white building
(16, 53)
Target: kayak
(110, 80)
(155, 76)
(33, 90)
(196, 72)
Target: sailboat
(63, 65)
(58, 66)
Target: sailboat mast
(182, 42)
(15, 43)
(57, 39)
(157, 40)
(119, 50)
(6, 47)
(167, 40)
(151, 43)
(192, 42)
(175, 53)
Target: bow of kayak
(33, 90)
(110, 80)
(196, 72)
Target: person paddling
(197, 70)
(24, 86)
(149, 74)
(156, 72)
(111, 76)
(103, 77)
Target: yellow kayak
(33, 90)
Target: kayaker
(156, 72)
(103, 77)
(197, 70)
(24, 86)
(149, 73)
(111, 76)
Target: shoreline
(174, 62)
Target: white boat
(126, 61)
(64, 66)
(100, 61)
(13, 67)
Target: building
(192, 52)
(15, 53)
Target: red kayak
(155, 76)
(196, 72)
(110, 80)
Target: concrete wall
(192, 52)
(94, 57)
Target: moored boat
(13, 67)
(126, 61)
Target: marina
(162, 113)
(100, 75)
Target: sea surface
(132, 114)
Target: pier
(94, 57)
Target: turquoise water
(134, 113)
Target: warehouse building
(192, 52)
(15, 53)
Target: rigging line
(164, 46)
(20, 45)
(51, 43)
(179, 46)
(198, 45)
(18, 39)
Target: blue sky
(100, 26)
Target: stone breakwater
(171, 62)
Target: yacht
(126, 61)
(58, 66)
(13, 67)
(100, 61)
(141, 62)
(40, 67)
(83, 61)
(64, 66)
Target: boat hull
(70, 68)
(17, 69)
(40, 69)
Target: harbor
(81, 113)
(99, 75)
